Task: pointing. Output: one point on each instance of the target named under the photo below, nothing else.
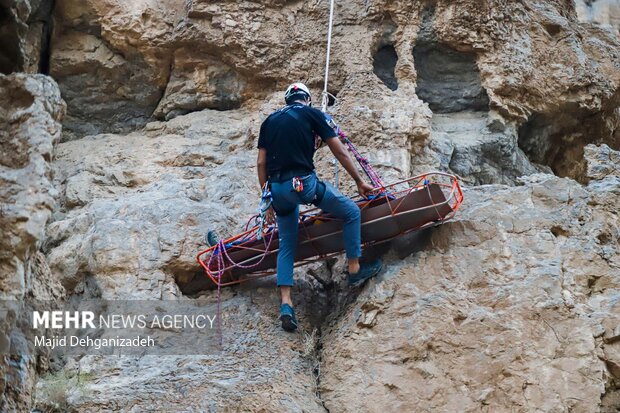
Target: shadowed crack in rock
(557, 139)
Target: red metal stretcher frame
(453, 199)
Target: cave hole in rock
(332, 97)
(557, 140)
(385, 57)
(383, 65)
(448, 80)
(44, 15)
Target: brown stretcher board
(321, 235)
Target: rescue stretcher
(408, 205)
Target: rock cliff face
(513, 306)
(29, 129)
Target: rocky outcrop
(529, 63)
(190, 174)
(29, 129)
(512, 306)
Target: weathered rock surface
(190, 174)
(527, 61)
(29, 127)
(512, 307)
(604, 12)
(30, 118)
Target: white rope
(325, 97)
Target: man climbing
(286, 147)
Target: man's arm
(341, 153)
(261, 166)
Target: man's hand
(364, 188)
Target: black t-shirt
(288, 136)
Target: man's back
(288, 136)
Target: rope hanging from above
(325, 95)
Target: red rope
(221, 251)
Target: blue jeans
(286, 200)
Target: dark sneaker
(367, 270)
(211, 238)
(287, 316)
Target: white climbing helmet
(295, 92)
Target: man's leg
(345, 209)
(285, 294)
(287, 230)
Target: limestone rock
(29, 128)
(191, 174)
(126, 104)
(602, 162)
(513, 306)
(260, 368)
(199, 82)
(186, 57)
(503, 309)
(604, 12)
(473, 146)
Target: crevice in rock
(331, 98)
(384, 63)
(317, 369)
(385, 58)
(11, 59)
(163, 91)
(557, 139)
(44, 17)
(24, 35)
